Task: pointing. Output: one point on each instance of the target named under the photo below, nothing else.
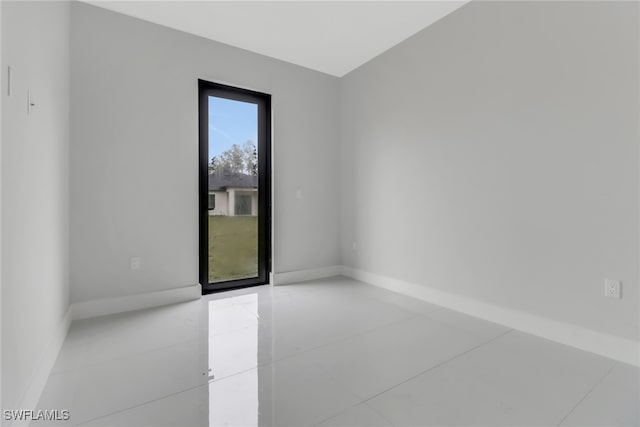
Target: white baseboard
(102, 307)
(621, 349)
(305, 275)
(41, 374)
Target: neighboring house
(233, 194)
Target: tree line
(236, 160)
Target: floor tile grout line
(469, 333)
(597, 383)
(440, 364)
(372, 409)
(364, 399)
(411, 314)
(260, 365)
(123, 356)
(341, 412)
(302, 352)
(358, 399)
(344, 411)
(345, 338)
(118, 411)
(86, 341)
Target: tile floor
(331, 352)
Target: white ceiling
(333, 37)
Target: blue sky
(231, 122)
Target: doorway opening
(235, 187)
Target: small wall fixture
(30, 103)
(9, 81)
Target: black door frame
(263, 101)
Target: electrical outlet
(136, 262)
(612, 288)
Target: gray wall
(35, 188)
(507, 135)
(134, 155)
(1, 406)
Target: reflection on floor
(331, 352)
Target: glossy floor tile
(516, 379)
(332, 352)
(480, 329)
(614, 402)
(289, 392)
(373, 362)
(358, 416)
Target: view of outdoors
(233, 190)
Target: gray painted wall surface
(134, 157)
(35, 187)
(507, 133)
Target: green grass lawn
(233, 247)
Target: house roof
(222, 181)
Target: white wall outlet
(612, 288)
(136, 262)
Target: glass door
(235, 170)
